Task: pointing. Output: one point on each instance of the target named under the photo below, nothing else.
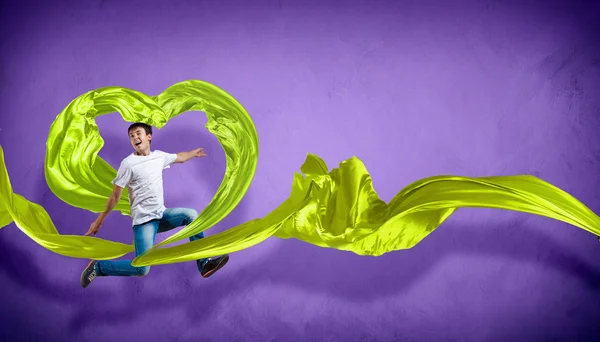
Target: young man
(141, 173)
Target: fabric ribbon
(333, 209)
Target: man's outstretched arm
(182, 157)
(113, 199)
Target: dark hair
(146, 128)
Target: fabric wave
(333, 209)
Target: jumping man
(141, 173)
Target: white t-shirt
(142, 175)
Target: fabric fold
(332, 209)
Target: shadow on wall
(339, 274)
(335, 273)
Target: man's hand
(199, 152)
(94, 227)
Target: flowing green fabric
(78, 176)
(333, 209)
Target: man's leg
(177, 217)
(144, 236)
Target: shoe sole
(83, 274)
(219, 266)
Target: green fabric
(335, 209)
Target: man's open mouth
(138, 143)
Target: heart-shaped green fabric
(79, 177)
(337, 209)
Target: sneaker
(89, 273)
(213, 265)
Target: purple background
(413, 88)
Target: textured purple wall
(413, 88)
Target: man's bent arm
(112, 202)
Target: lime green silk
(334, 209)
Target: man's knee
(191, 214)
(142, 271)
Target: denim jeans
(144, 236)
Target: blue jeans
(144, 236)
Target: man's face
(139, 139)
